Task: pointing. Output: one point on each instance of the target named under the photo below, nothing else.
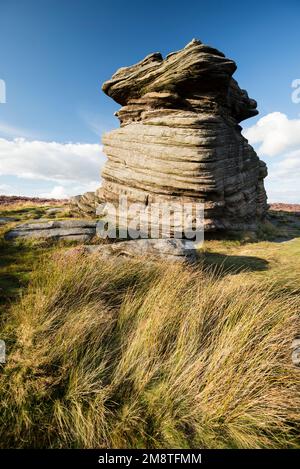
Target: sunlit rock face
(180, 140)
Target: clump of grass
(26, 211)
(22, 212)
(134, 354)
(65, 213)
(268, 231)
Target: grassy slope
(136, 354)
(17, 259)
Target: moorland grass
(135, 354)
(158, 355)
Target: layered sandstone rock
(84, 204)
(180, 139)
(71, 230)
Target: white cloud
(275, 133)
(288, 166)
(59, 170)
(68, 189)
(283, 182)
(58, 192)
(52, 161)
(285, 176)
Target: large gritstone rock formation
(180, 138)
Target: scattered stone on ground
(73, 230)
(84, 230)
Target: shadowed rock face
(180, 138)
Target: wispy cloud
(77, 162)
(96, 123)
(68, 189)
(7, 130)
(73, 168)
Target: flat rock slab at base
(169, 249)
(73, 230)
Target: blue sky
(55, 54)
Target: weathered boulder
(84, 204)
(180, 140)
(73, 230)
(168, 249)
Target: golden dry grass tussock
(125, 353)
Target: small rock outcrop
(84, 204)
(180, 138)
(72, 230)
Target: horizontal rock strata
(72, 230)
(84, 204)
(180, 140)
